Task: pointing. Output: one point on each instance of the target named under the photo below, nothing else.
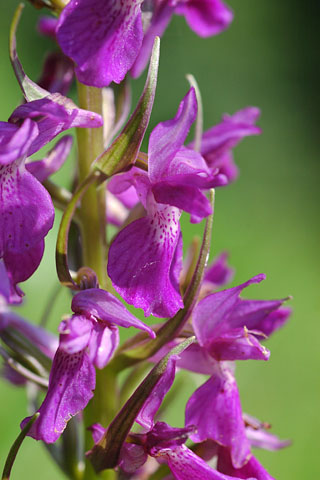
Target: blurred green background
(267, 220)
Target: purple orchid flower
(22, 236)
(145, 257)
(227, 326)
(221, 322)
(102, 37)
(87, 339)
(205, 18)
(218, 141)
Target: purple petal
(103, 38)
(5, 286)
(103, 342)
(215, 410)
(186, 465)
(262, 315)
(218, 140)
(168, 137)
(42, 169)
(75, 334)
(26, 210)
(57, 73)
(71, 385)
(206, 18)
(197, 359)
(53, 115)
(153, 402)
(97, 431)
(47, 26)
(132, 457)
(107, 308)
(20, 266)
(161, 16)
(219, 273)
(251, 470)
(163, 435)
(187, 198)
(210, 317)
(260, 438)
(142, 266)
(238, 344)
(15, 141)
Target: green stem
(92, 210)
(92, 214)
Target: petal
(260, 438)
(167, 138)
(237, 344)
(5, 286)
(26, 210)
(251, 470)
(218, 273)
(54, 114)
(107, 308)
(47, 26)
(75, 334)
(263, 315)
(206, 18)
(42, 169)
(142, 266)
(132, 457)
(57, 73)
(71, 385)
(160, 19)
(103, 342)
(215, 410)
(211, 315)
(187, 198)
(186, 465)
(15, 141)
(20, 266)
(103, 38)
(153, 402)
(97, 431)
(218, 140)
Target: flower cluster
(206, 328)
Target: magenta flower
(145, 257)
(102, 37)
(227, 328)
(26, 211)
(87, 339)
(217, 142)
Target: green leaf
(15, 447)
(125, 148)
(105, 454)
(31, 91)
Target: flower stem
(92, 210)
(92, 214)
